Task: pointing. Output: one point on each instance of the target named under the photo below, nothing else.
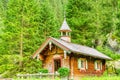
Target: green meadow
(84, 78)
(102, 78)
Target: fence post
(22, 77)
(40, 75)
(26, 75)
(18, 76)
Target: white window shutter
(79, 63)
(95, 65)
(86, 64)
(101, 66)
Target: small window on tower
(64, 33)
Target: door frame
(55, 58)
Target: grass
(84, 78)
(102, 78)
(39, 79)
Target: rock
(112, 66)
(117, 64)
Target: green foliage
(11, 73)
(109, 52)
(56, 78)
(105, 73)
(101, 78)
(35, 21)
(63, 71)
(43, 71)
(8, 62)
(30, 65)
(110, 70)
(117, 71)
(8, 65)
(91, 21)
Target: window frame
(98, 65)
(84, 62)
(64, 33)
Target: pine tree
(21, 22)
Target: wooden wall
(50, 55)
(56, 52)
(91, 70)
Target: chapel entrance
(57, 64)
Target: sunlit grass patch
(39, 79)
(102, 78)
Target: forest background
(25, 24)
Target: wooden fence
(6, 79)
(38, 75)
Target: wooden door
(57, 64)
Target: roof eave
(46, 43)
(40, 48)
(92, 55)
(65, 30)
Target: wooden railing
(6, 79)
(38, 75)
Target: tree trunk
(21, 38)
(21, 48)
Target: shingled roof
(71, 47)
(65, 26)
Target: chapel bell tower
(65, 32)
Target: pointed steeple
(65, 26)
(65, 31)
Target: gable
(46, 43)
(71, 47)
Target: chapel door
(57, 64)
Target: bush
(105, 73)
(29, 68)
(43, 71)
(117, 71)
(107, 51)
(63, 71)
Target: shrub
(63, 71)
(105, 73)
(106, 50)
(117, 71)
(43, 71)
(29, 68)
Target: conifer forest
(26, 24)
